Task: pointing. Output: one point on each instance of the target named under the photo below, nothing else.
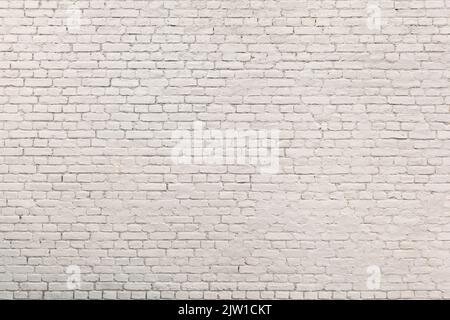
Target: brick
(112, 162)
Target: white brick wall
(91, 92)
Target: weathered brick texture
(92, 90)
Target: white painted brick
(87, 114)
